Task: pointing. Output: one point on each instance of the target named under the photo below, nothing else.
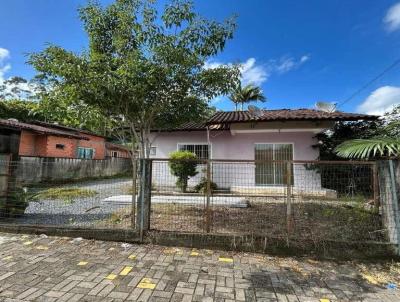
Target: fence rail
(302, 201)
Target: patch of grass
(69, 195)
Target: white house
(247, 151)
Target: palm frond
(366, 148)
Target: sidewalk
(34, 268)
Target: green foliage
(367, 148)
(14, 204)
(68, 195)
(241, 95)
(201, 187)
(143, 67)
(183, 165)
(22, 110)
(341, 132)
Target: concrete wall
(240, 146)
(33, 170)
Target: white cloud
(381, 100)
(250, 71)
(255, 73)
(11, 89)
(392, 18)
(286, 64)
(4, 55)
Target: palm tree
(386, 145)
(246, 94)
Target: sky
(299, 52)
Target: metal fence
(279, 199)
(303, 201)
(65, 193)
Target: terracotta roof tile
(11, 124)
(223, 117)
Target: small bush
(201, 187)
(183, 165)
(14, 204)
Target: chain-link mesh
(66, 192)
(288, 200)
(280, 199)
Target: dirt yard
(311, 220)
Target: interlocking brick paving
(39, 268)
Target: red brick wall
(41, 145)
(32, 144)
(70, 146)
(27, 143)
(95, 142)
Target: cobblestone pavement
(35, 268)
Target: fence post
(208, 195)
(143, 209)
(375, 185)
(395, 203)
(289, 214)
(134, 192)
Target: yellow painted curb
(82, 263)
(370, 279)
(223, 259)
(146, 283)
(126, 270)
(111, 277)
(324, 300)
(194, 254)
(132, 257)
(28, 242)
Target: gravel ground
(82, 211)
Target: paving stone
(55, 276)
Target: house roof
(221, 120)
(12, 124)
(65, 128)
(222, 117)
(197, 126)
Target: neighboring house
(273, 135)
(40, 139)
(114, 150)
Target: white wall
(240, 146)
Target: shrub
(14, 204)
(201, 187)
(183, 165)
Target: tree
(145, 68)
(17, 88)
(142, 68)
(341, 132)
(384, 143)
(241, 95)
(22, 110)
(183, 165)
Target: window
(268, 171)
(201, 150)
(87, 153)
(60, 146)
(153, 151)
(114, 153)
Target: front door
(270, 171)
